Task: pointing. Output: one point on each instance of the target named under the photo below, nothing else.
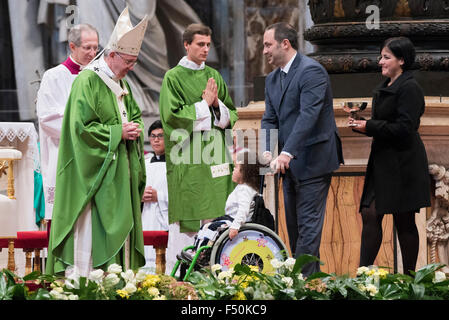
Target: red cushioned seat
(28, 239)
(31, 239)
(3, 243)
(155, 238)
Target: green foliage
(287, 283)
(243, 282)
(13, 287)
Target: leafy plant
(371, 283)
(13, 287)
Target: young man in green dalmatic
(195, 109)
(101, 169)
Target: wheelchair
(254, 245)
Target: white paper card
(220, 170)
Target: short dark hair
(193, 29)
(284, 30)
(155, 125)
(402, 48)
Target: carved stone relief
(344, 42)
(438, 223)
(259, 15)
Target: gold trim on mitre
(125, 38)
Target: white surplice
(52, 98)
(155, 214)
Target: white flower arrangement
(439, 277)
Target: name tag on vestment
(220, 170)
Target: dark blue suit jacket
(303, 112)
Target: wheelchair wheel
(255, 245)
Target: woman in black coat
(397, 176)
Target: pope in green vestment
(96, 166)
(199, 167)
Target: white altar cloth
(23, 137)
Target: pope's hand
(130, 131)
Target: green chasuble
(198, 182)
(96, 166)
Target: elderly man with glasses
(101, 167)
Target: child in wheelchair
(244, 204)
(240, 204)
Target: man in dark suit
(298, 103)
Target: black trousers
(305, 207)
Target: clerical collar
(73, 66)
(105, 68)
(186, 63)
(156, 158)
(289, 64)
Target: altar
(340, 243)
(21, 136)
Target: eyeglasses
(154, 136)
(89, 48)
(130, 63)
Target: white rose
(362, 270)
(130, 288)
(216, 267)
(141, 274)
(96, 275)
(288, 281)
(439, 276)
(55, 294)
(59, 290)
(73, 297)
(114, 268)
(128, 276)
(372, 289)
(111, 280)
(225, 274)
(72, 283)
(290, 263)
(276, 263)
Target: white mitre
(125, 38)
